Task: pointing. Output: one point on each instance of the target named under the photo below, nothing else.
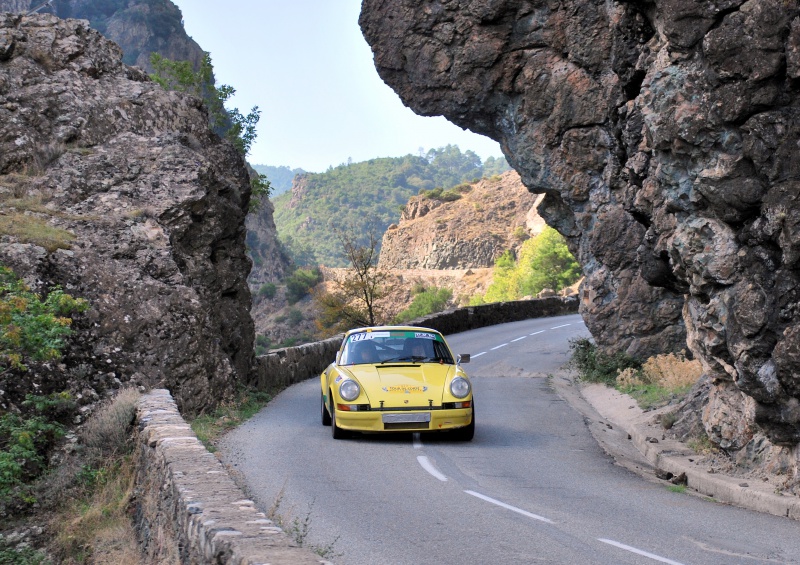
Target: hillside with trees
(365, 197)
(280, 178)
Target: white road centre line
(498, 347)
(417, 441)
(519, 338)
(508, 506)
(478, 354)
(537, 333)
(561, 326)
(428, 466)
(639, 552)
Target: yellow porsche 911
(397, 379)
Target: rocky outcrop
(156, 204)
(139, 27)
(490, 217)
(270, 263)
(664, 135)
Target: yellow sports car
(397, 379)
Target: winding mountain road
(532, 487)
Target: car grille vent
(406, 426)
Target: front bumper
(372, 421)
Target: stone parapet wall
(295, 364)
(188, 509)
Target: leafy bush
(426, 302)
(300, 283)
(25, 440)
(544, 262)
(32, 329)
(595, 366)
(268, 290)
(295, 316)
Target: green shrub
(295, 316)
(32, 329)
(268, 290)
(426, 302)
(25, 440)
(597, 367)
(300, 283)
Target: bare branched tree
(357, 298)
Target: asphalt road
(532, 487)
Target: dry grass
(668, 371)
(107, 432)
(94, 526)
(98, 529)
(29, 228)
(661, 380)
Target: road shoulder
(636, 442)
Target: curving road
(532, 487)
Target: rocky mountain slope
(139, 27)
(664, 135)
(490, 217)
(155, 204)
(143, 27)
(362, 197)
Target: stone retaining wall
(187, 507)
(292, 365)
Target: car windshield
(391, 346)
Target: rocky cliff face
(664, 135)
(492, 216)
(156, 203)
(139, 27)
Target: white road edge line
(519, 338)
(417, 441)
(537, 333)
(639, 552)
(562, 326)
(508, 506)
(479, 354)
(498, 347)
(428, 466)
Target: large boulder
(155, 201)
(664, 135)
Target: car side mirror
(462, 358)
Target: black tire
(336, 431)
(326, 416)
(467, 432)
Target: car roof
(389, 328)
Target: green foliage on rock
(25, 440)
(32, 328)
(595, 366)
(236, 127)
(365, 196)
(300, 283)
(544, 262)
(427, 301)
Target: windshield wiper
(412, 358)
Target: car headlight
(460, 387)
(349, 390)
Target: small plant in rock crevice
(299, 528)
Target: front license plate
(406, 418)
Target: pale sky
(307, 67)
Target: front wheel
(467, 432)
(325, 415)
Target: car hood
(403, 385)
